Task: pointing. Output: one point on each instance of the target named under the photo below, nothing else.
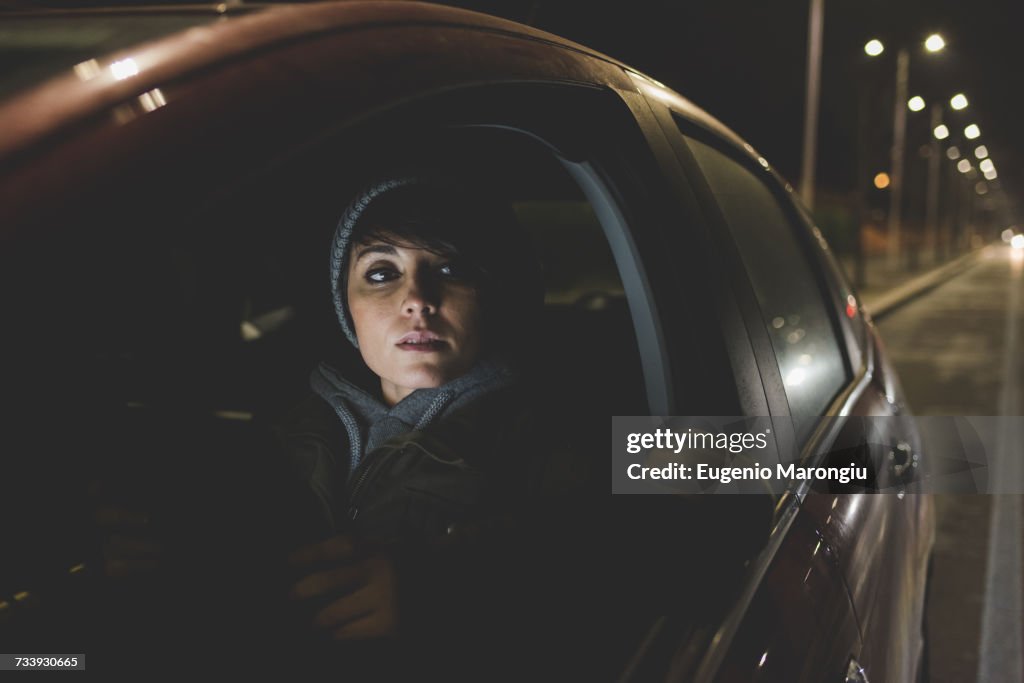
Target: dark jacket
(416, 471)
(454, 493)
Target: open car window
(196, 322)
(152, 355)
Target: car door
(796, 621)
(818, 363)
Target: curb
(885, 303)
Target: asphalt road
(957, 350)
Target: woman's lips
(421, 342)
(423, 347)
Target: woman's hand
(359, 589)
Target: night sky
(744, 61)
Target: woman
(435, 285)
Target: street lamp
(958, 101)
(981, 151)
(873, 48)
(941, 132)
(915, 103)
(933, 44)
(972, 131)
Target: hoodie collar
(370, 423)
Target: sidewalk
(888, 287)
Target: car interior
(154, 355)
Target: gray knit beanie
(483, 226)
(342, 239)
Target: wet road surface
(958, 351)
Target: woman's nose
(420, 297)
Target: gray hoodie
(369, 423)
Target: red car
(168, 182)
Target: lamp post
(899, 134)
(934, 43)
(931, 207)
(814, 29)
(949, 221)
(865, 90)
(940, 131)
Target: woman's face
(416, 317)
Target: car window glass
(791, 300)
(842, 293)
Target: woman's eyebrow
(376, 249)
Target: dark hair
(462, 221)
(424, 218)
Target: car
(169, 179)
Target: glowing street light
(873, 48)
(941, 132)
(987, 165)
(958, 101)
(953, 153)
(916, 103)
(981, 151)
(963, 166)
(972, 131)
(934, 43)
(990, 175)
(882, 181)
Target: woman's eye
(377, 275)
(453, 271)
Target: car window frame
(762, 358)
(687, 238)
(806, 240)
(677, 122)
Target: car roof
(209, 35)
(40, 44)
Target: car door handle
(902, 460)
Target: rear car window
(791, 300)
